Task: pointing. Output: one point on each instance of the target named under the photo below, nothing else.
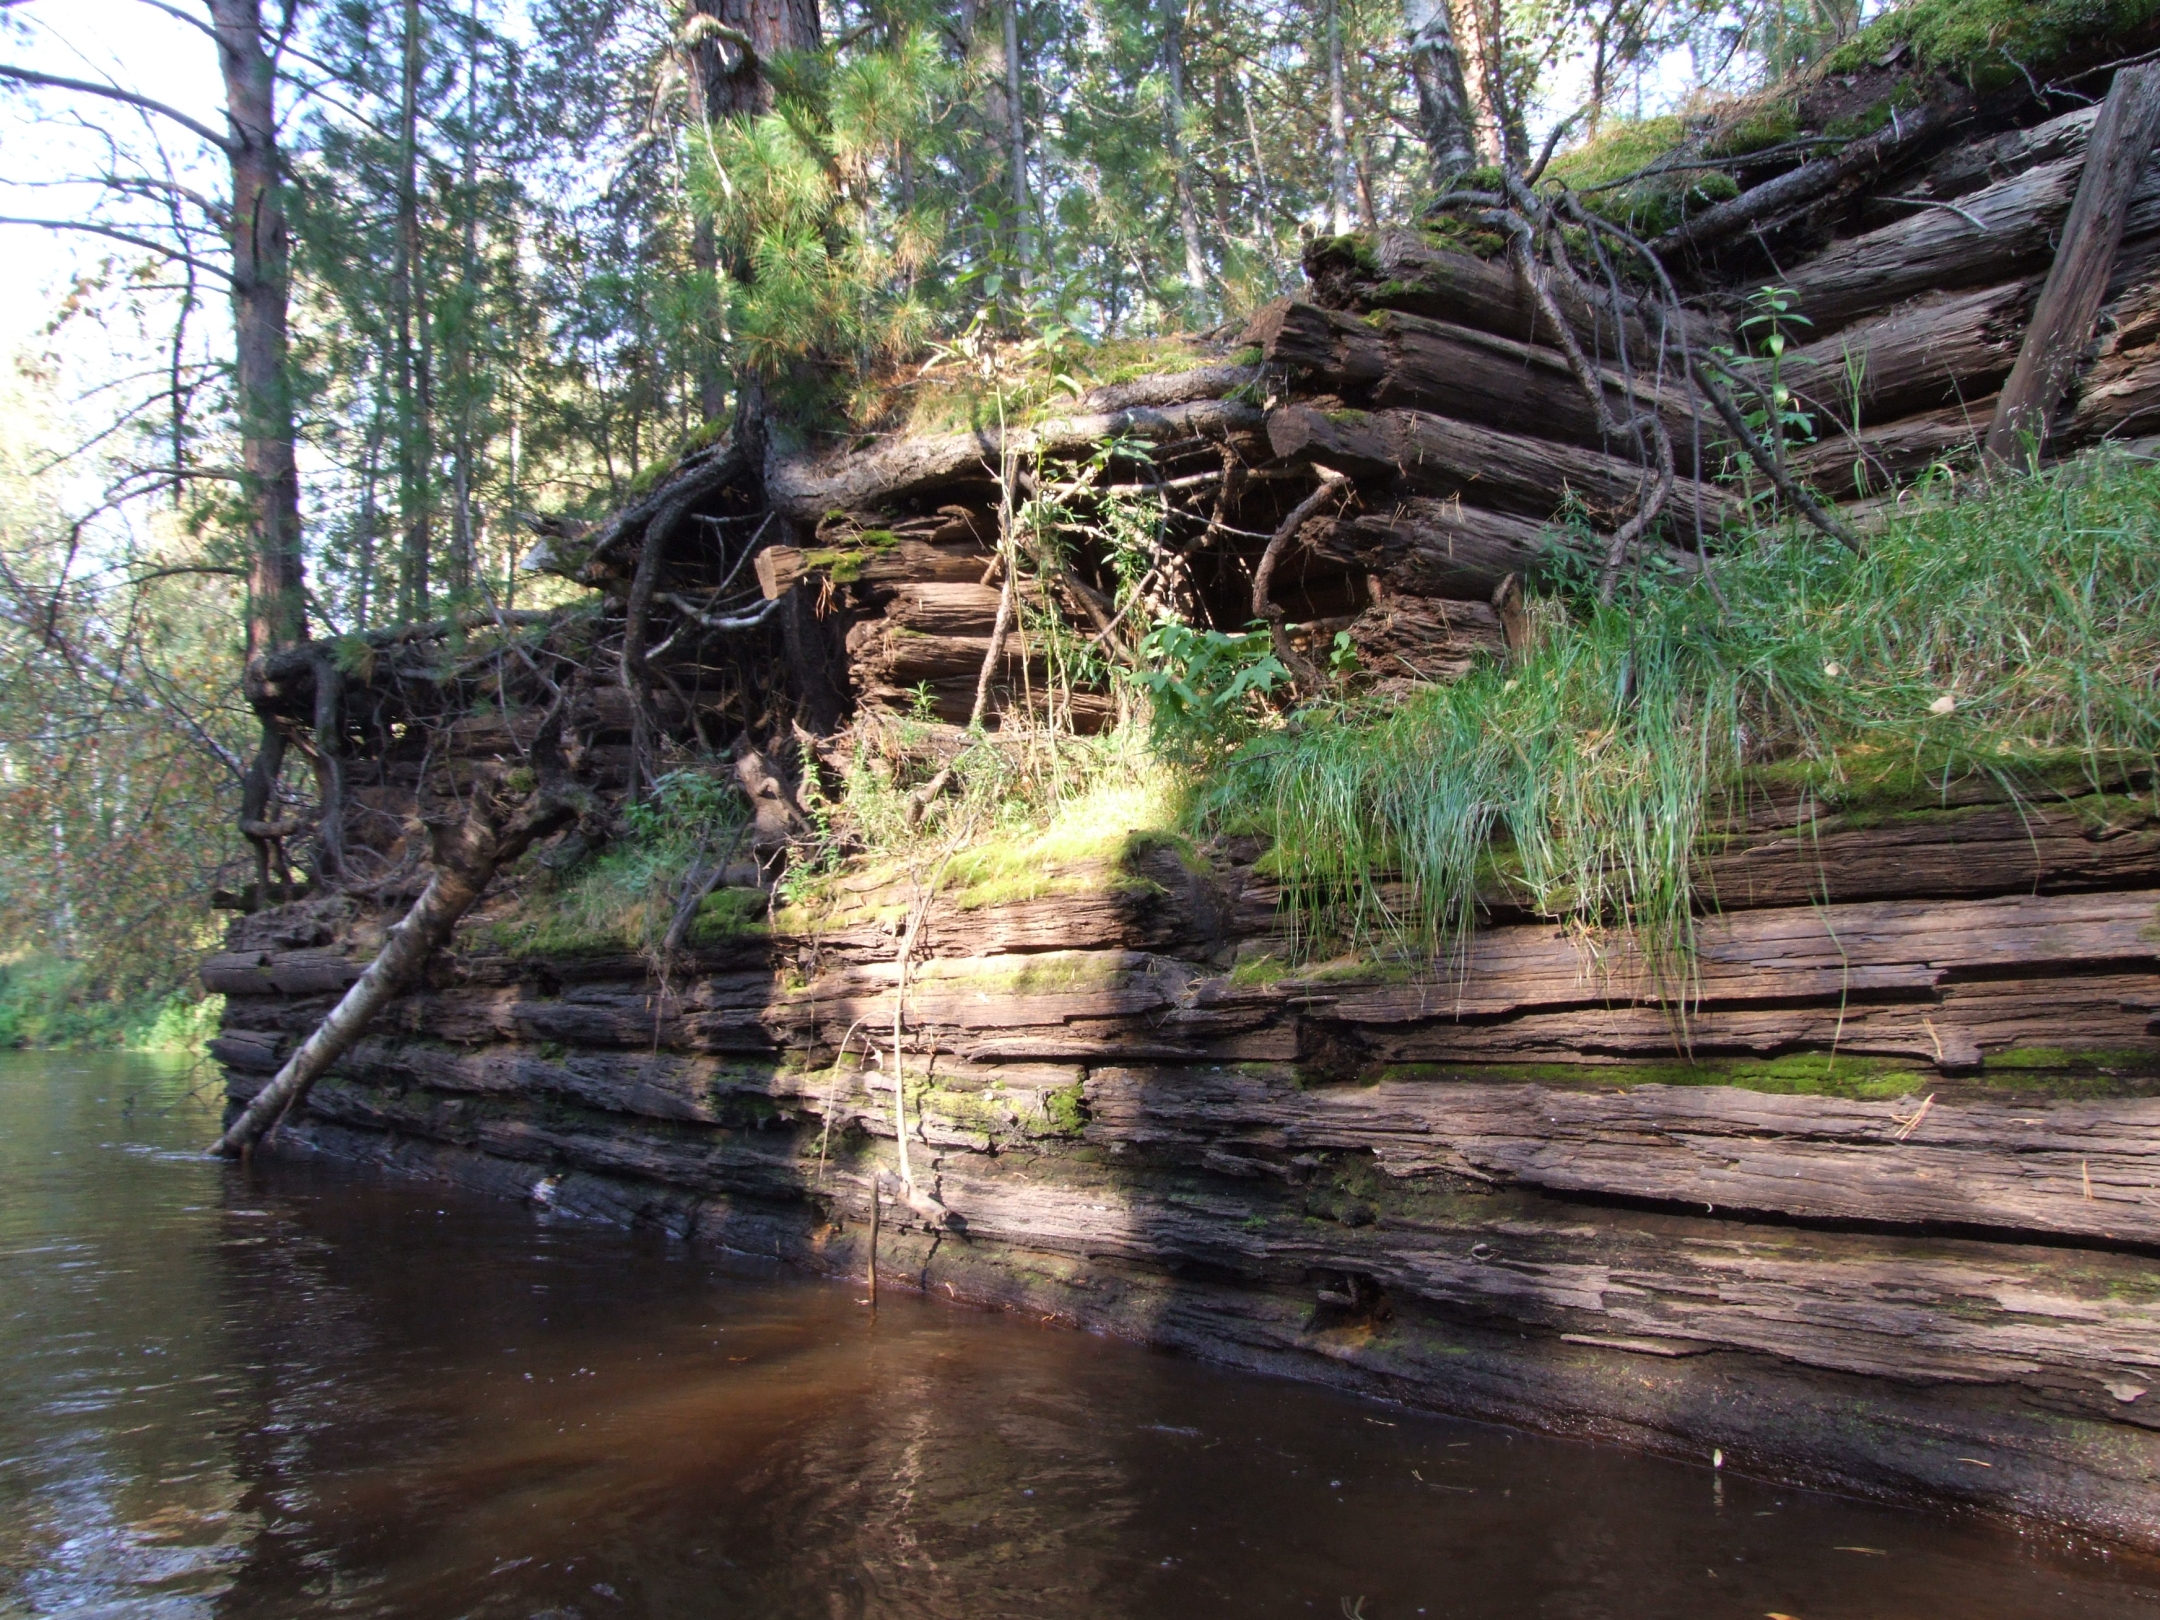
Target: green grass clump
(1990, 635)
(623, 899)
(1992, 43)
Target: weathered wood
(1392, 358)
(1436, 455)
(2119, 396)
(1944, 250)
(1969, 1163)
(1974, 165)
(1874, 460)
(1772, 204)
(2116, 158)
(1923, 355)
(1406, 271)
(908, 563)
(1169, 388)
(807, 488)
(1425, 638)
(1431, 547)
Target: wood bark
(1436, 73)
(807, 489)
(1433, 547)
(408, 293)
(1173, 57)
(467, 855)
(1405, 271)
(1394, 358)
(1436, 455)
(261, 262)
(1920, 356)
(2116, 158)
(1774, 202)
(1989, 236)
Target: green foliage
(823, 269)
(50, 1001)
(1981, 636)
(623, 899)
(1208, 687)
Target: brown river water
(307, 1391)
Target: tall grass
(2006, 634)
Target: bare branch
(127, 98)
(164, 250)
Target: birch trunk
(467, 856)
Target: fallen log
(2117, 156)
(1431, 547)
(1845, 466)
(1436, 455)
(1934, 351)
(1989, 236)
(1403, 270)
(1426, 638)
(1776, 202)
(806, 488)
(495, 830)
(1393, 358)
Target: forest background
(531, 259)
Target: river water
(299, 1390)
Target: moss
(1797, 1074)
(2038, 1072)
(1260, 970)
(729, 914)
(1058, 860)
(1992, 44)
(1066, 1110)
(1045, 973)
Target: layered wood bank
(1871, 1198)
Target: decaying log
(1396, 359)
(1169, 388)
(1975, 165)
(1437, 455)
(1874, 460)
(807, 488)
(2116, 158)
(2119, 396)
(1774, 203)
(494, 831)
(1987, 237)
(1934, 351)
(1407, 272)
(1426, 638)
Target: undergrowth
(46, 1001)
(623, 899)
(2003, 635)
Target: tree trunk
(1338, 123)
(261, 246)
(467, 856)
(1436, 70)
(1474, 52)
(1016, 112)
(1174, 141)
(416, 450)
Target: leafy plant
(1208, 686)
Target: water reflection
(299, 1392)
